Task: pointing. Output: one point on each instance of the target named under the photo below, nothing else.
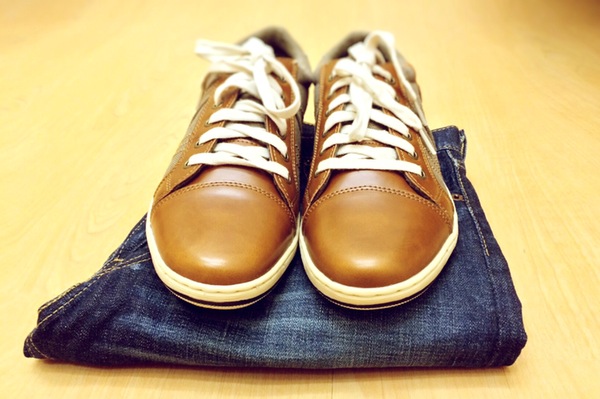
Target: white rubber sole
(379, 297)
(218, 296)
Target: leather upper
(224, 225)
(371, 228)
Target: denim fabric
(469, 317)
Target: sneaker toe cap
(373, 238)
(220, 234)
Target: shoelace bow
(250, 66)
(362, 113)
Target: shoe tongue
(360, 53)
(258, 48)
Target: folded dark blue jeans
(469, 317)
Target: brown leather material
(222, 233)
(370, 228)
(373, 236)
(177, 172)
(225, 225)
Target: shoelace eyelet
(414, 155)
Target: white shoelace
(364, 102)
(251, 66)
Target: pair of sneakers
(375, 224)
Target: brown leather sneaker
(379, 223)
(223, 223)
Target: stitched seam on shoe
(279, 202)
(91, 282)
(383, 190)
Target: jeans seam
(91, 282)
(57, 298)
(74, 287)
(468, 202)
(448, 147)
(488, 258)
(31, 346)
(116, 257)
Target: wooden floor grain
(95, 96)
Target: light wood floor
(95, 95)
